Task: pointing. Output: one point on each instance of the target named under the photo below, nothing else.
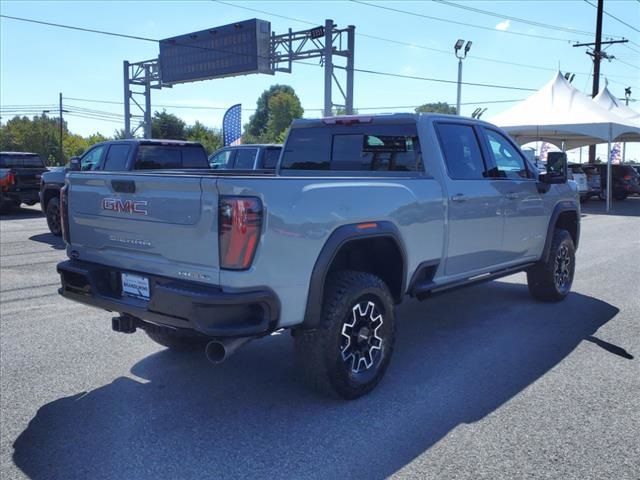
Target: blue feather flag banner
(232, 126)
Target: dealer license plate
(135, 286)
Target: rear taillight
(239, 227)
(7, 178)
(64, 213)
(627, 177)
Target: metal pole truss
(139, 79)
(325, 45)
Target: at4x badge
(138, 207)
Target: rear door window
(117, 157)
(462, 153)
(245, 158)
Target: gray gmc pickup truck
(360, 212)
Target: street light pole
(459, 97)
(460, 55)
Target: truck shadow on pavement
(21, 214)
(50, 239)
(458, 358)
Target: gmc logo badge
(138, 207)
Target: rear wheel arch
(377, 250)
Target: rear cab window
(354, 148)
(151, 157)
(21, 161)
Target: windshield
(19, 161)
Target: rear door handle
(458, 198)
(512, 196)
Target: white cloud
(503, 26)
(408, 70)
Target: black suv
(119, 155)
(626, 180)
(20, 174)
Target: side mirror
(74, 164)
(557, 169)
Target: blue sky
(38, 61)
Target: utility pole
(61, 131)
(328, 67)
(597, 54)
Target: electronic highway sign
(237, 49)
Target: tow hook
(124, 324)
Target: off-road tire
(320, 352)
(53, 217)
(175, 342)
(551, 281)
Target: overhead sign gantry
(241, 48)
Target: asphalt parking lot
(485, 383)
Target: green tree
(255, 130)
(96, 138)
(283, 108)
(437, 107)
(167, 125)
(74, 145)
(119, 134)
(210, 138)
(41, 135)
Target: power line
(614, 17)
(627, 63)
(82, 29)
(399, 42)
(132, 37)
(440, 80)
(449, 21)
(515, 19)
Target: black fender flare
(338, 238)
(564, 206)
(46, 188)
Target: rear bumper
(178, 304)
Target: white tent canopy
(608, 101)
(560, 114)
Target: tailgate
(152, 223)
(28, 178)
